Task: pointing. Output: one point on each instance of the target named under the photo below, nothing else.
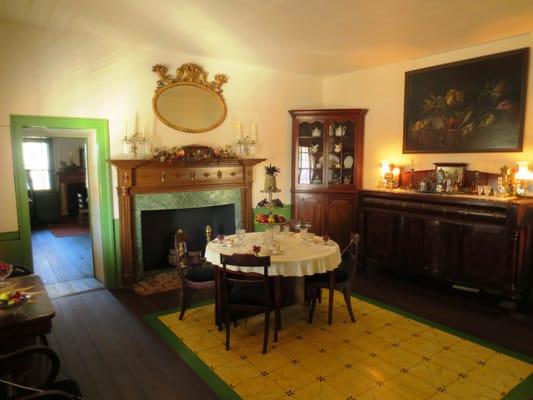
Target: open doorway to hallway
(59, 209)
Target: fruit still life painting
(475, 105)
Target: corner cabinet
(473, 241)
(327, 167)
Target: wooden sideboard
(152, 176)
(475, 241)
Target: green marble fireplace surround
(176, 201)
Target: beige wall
(50, 74)
(53, 74)
(381, 90)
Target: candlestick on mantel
(144, 128)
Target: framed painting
(475, 105)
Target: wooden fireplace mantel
(153, 176)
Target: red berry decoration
(256, 249)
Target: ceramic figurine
(338, 147)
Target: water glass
(268, 239)
(276, 229)
(241, 235)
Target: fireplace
(157, 216)
(154, 185)
(159, 227)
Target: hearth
(159, 227)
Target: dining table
(32, 320)
(299, 255)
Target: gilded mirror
(188, 102)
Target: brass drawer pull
(163, 176)
(193, 175)
(219, 174)
(206, 174)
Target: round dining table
(298, 257)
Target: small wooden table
(34, 319)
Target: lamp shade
(523, 172)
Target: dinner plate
(348, 162)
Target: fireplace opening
(159, 227)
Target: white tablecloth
(299, 258)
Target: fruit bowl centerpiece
(12, 301)
(270, 219)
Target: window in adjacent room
(36, 155)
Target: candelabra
(135, 144)
(246, 146)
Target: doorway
(58, 200)
(94, 155)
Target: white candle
(239, 130)
(125, 128)
(254, 131)
(144, 128)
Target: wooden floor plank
(124, 348)
(160, 359)
(103, 380)
(161, 354)
(108, 345)
(72, 363)
(60, 259)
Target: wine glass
(5, 271)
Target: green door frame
(18, 123)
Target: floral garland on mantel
(195, 153)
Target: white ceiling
(307, 36)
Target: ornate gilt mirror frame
(189, 75)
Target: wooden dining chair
(249, 293)
(339, 279)
(20, 270)
(31, 373)
(194, 272)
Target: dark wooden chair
(20, 270)
(250, 293)
(194, 272)
(26, 376)
(339, 279)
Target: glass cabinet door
(341, 152)
(310, 153)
